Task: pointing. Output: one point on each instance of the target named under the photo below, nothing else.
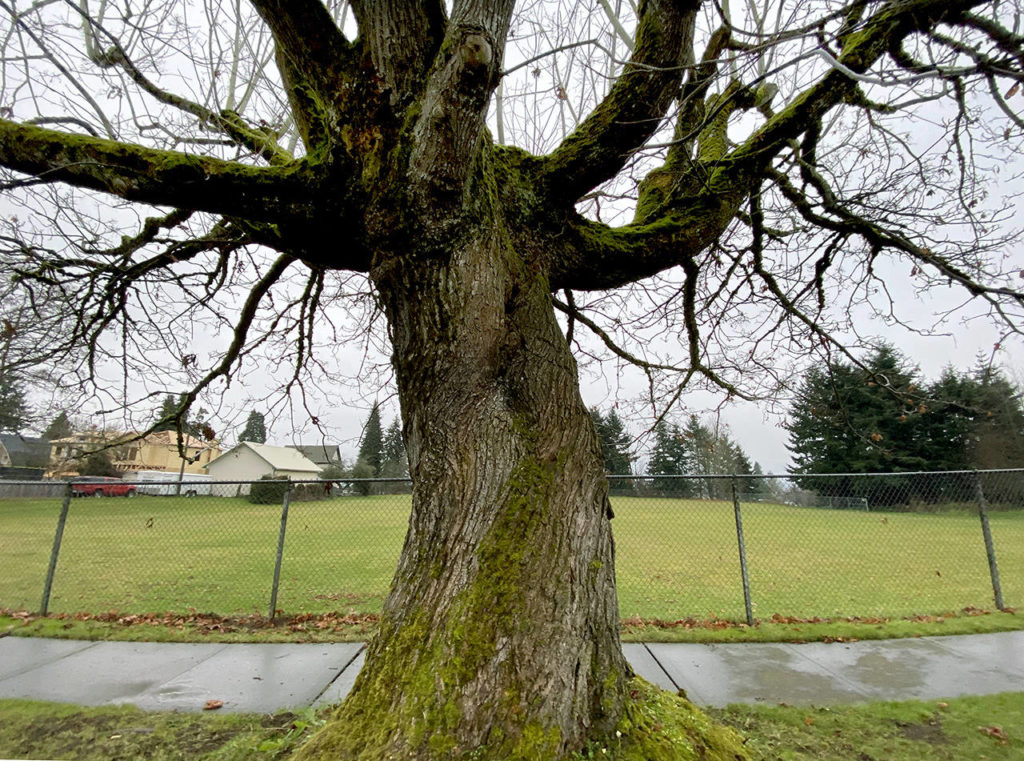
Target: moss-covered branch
(163, 178)
(633, 109)
(881, 32)
(312, 55)
(593, 256)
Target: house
(23, 457)
(250, 462)
(154, 451)
(19, 451)
(323, 455)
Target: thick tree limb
(594, 256)
(446, 137)
(311, 53)
(402, 38)
(880, 32)
(633, 109)
(164, 178)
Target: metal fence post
(990, 549)
(748, 606)
(55, 552)
(280, 551)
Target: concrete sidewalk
(264, 678)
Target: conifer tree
(394, 463)
(371, 446)
(59, 428)
(255, 429)
(13, 409)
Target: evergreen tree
(997, 432)
(166, 415)
(614, 442)
(13, 409)
(255, 429)
(371, 447)
(59, 428)
(97, 464)
(394, 463)
(668, 458)
(848, 419)
(744, 468)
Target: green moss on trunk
(411, 703)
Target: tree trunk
(501, 628)
(499, 638)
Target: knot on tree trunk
(475, 51)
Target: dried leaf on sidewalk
(213, 705)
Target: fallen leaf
(213, 705)
(996, 733)
(809, 721)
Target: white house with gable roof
(249, 461)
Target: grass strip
(989, 728)
(335, 627)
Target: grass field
(676, 558)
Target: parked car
(168, 483)
(101, 486)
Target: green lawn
(676, 558)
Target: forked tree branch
(634, 107)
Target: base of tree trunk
(656, 726)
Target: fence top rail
(618, 476)
(650, 476)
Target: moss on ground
(660, 726)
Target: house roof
(279, 458)
(321, 454)
(160, 438)
(26, 450)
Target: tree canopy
(204, 191)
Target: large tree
(288, 145)
(863, 418)
(59, 428)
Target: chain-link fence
(729, 547)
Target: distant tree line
(883, 417)
(697, 449)
(700, 448)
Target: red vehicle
(101, 486)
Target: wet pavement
(271, 677)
